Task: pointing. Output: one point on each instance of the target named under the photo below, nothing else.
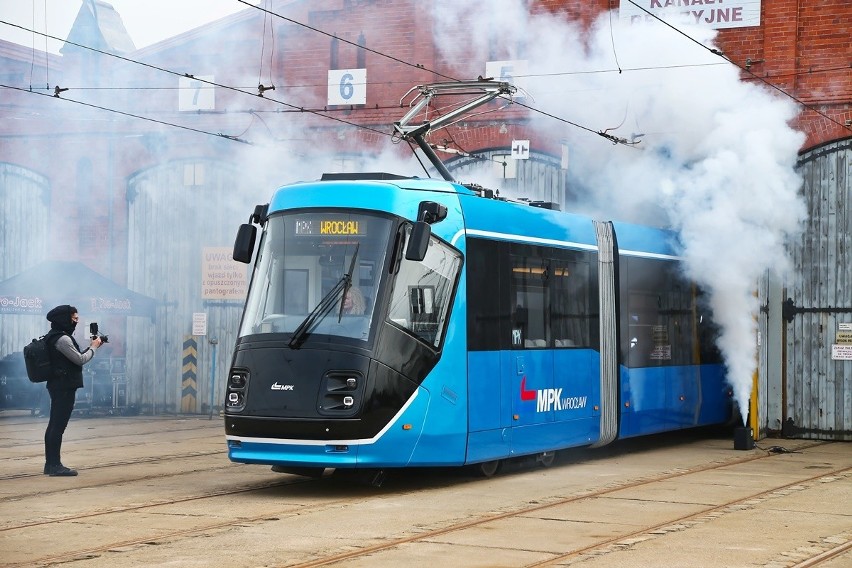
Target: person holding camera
(67, 377)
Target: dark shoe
(62, 471)
(47, 468)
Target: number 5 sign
(347, 87)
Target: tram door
(531, 367)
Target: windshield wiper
(324, 306)
(348, 284)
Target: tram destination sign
(330, 227)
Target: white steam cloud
(716, 155)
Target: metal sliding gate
(816, 312)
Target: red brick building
(145, 159)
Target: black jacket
(67, 375)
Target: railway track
(282, 488)
(134, 434)
(621, 541)
(73, 435)
(129, 462)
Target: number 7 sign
(196, 95)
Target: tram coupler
(369, 476)
(315, 472)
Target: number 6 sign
(347, 87)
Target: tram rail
(601, 547)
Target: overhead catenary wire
(46, 60)
(321, 113)
(205, 81)
(59, 90)
(795, 73)
(261, 88)
(610, 137)
(346, 41)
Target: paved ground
(160, 491)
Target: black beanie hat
(60, 317)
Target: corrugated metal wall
(24, 209)
(174, 211)
(817, 387)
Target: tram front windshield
(318, 274)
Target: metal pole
(213, 342)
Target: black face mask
(60, 318)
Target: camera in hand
(93, 330)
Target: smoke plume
(715, 155)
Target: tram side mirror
(244, 243)
(418, 242)
(427, 213)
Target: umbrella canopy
(38, 289)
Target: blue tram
(396, 322)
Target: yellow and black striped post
(189, 384)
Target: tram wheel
(546, 458)
(489, 468)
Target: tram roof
(488, 215)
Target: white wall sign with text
(347, 87)
(199, 323)
(196, 95)
(222, 277)
(520, 149)
(512, 71)
(715, 14)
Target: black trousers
(61, 406)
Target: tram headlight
(236, 393)
(341, 393)
(238, 380)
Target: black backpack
(37, 358)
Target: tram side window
(660, 314)
(707, 331)
(487, 314)
(530, 302)
(569, 304)
(542, 297)
(552, 294)
(423, 291)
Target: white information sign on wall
(510, 71)
(199, 323)
(520, 149)
(715, 14)
(841, 352)
(844, 326)
(347, 87)
(196, 95)
(222, 277)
